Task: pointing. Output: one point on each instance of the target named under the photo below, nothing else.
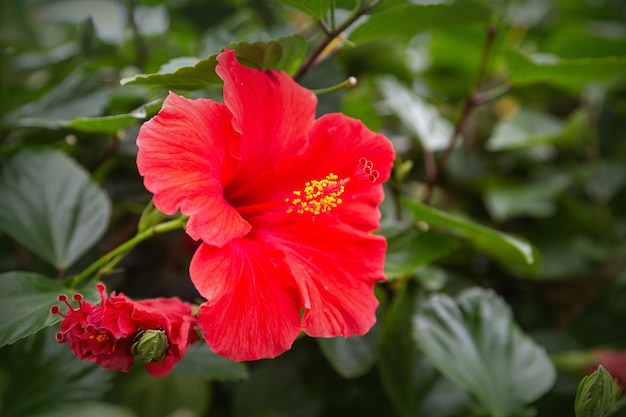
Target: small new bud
(596, 394)
(151, 345)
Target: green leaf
(96, 410)
(284, 53)
(46, 378)
(474, 341)
(77, 95)
(314, 8)
(534, 200)
(414, 386)
(526, 128)
(25, 301)
(278, 388)
(111, 124)
(201, 362)
(511, 251)
(412, 248)
(51, 206)
(528, 70)
(172, 394)
(180, 73)
(419, 117)
(353, 356)
(406, 20)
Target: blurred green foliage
(505, 215)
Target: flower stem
(350, 82)
(109, 260)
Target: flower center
(318, 196)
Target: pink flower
(111, 333)
(284, 205)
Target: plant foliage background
(505, 216)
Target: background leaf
(526, 127)
(414, 385)
(51, 206)
(314, 8)
(526, 70)
(46, 378)
(474, 342)
(411, 248)
(420, 118)
(25, 301)
(191, 73)
(353, 356)
(510, 250)
(171, 394)
(405, 20)
(201, 362)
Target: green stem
(112, 258)
(350, 82)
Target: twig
(331, 36)
(474, 100)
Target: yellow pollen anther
(317, 196)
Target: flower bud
(596, 394)
(151, 345)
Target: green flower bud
(151, 345)
(596, 394)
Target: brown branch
(331, 35)
(474, 100)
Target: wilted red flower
(108, 334)
(283, 203)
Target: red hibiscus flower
(113, 333)
(284, 204)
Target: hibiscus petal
(340, 267)
(253, 304)
(182, 156)
(271, 111)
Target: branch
(331, 35)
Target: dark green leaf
(181, 73)
(353, 356)
(168, 395)
(406, 20)
(412, 248)
(314, 8)
(45, 378)
(99, 409)
(191, 73)
(111, 124)
(25, 301)
(277, 388)
(474, 341)
(526, 70)
(510, 250)
(51, 206)
(77, 95)
(414, 386)
(95, 410)
(201, 362)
